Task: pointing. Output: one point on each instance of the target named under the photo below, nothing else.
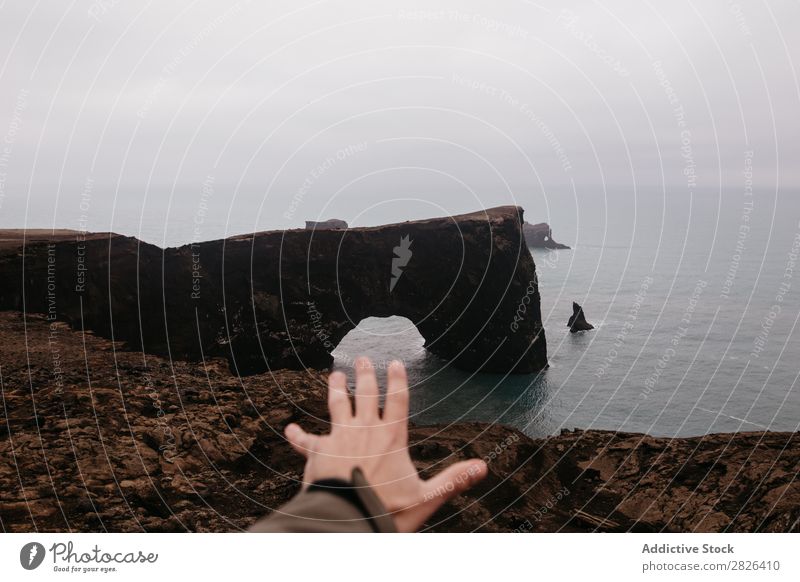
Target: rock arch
(284, 299)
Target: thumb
(301, 441)
(450, 483)
(454, 480)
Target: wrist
(358, 492)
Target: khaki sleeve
(324, 512)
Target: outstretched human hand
(378, 445)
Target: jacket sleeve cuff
(331, 505)
(373, 508)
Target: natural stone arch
(469, 286)
(285, 299)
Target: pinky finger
(301, 441)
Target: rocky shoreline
(96, 438)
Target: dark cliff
(285, 299)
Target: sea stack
(577, 322)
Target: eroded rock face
(540, 236)
(155, 445)
(577, 321)
(285, 299)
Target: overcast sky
(375, 110)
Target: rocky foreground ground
(93, 438)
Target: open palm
(378, 445)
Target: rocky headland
(285, 299)
(97, 438)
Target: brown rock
(112, 475)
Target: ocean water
(695, 302)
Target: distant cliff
(540, 236)
(333, 223)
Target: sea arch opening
(381, 339)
